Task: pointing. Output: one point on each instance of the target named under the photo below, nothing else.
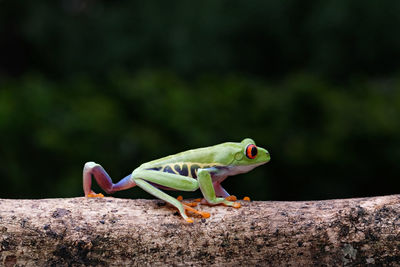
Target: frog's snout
(268, 156)
(264, 157)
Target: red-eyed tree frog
(203, 168)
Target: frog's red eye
(251, 151)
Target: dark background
(124, 82)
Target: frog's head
(250, 154)
(245, 155)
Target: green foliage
(124, 82)
(337, 39)
(325, 141)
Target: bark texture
(117, 232)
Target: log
(117, 232)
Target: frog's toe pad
(95, 195)
(246, 199)
(189, 220)
(205, 214)
(192, 204)
(236, 205)
(231, 198)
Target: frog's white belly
(224, 172)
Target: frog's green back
(225, 154)
(222, 154)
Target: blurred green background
(123, 82)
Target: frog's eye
(251, 151)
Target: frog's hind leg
(143, 178)
(161, 195)
(102, 178)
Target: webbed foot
(191, 204)
(188, 207)
(228, 202)
(202, 213)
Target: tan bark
(112, 231)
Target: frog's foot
(201, 213)
(236, 205)
(229, 202)
(191, 204)
(93, 194)
(233, 198)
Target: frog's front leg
(144, 178)
(207, 188)
(102, 178)
(221, 192)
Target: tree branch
(112, 231)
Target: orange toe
(180, 198)
(197, 200)
(231, 198)
(192, 204)
(236, 205)
(203, 214)
(95, 195)
(189, 220)
(246, 199)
